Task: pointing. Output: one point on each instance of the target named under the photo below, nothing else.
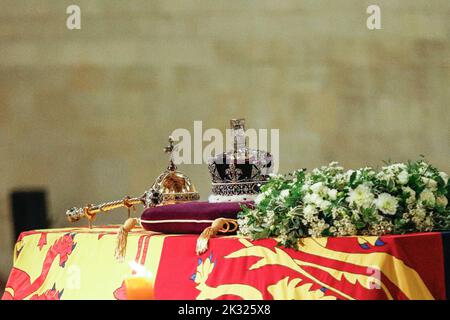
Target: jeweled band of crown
(237, 188)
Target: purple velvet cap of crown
(190, 217)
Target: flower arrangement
(329, 201)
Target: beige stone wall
(86, 113)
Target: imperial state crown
(238, 174)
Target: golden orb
(175, 187)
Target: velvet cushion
(189, 217)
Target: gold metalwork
(170, 187)
(90, 211)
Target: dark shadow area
(29, 210)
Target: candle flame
(140, 270)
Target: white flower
(344, 227)
(283, 236)
(340, 178)
(334, 212)
(309, 212)
(403, 177)
(324, 205)
(317, 186)
(430, 183)
(317, 228)
(419, 213)
(380, 228)
(421, 220)
(427, 197)
(355, 215)
(348, 174)
(308, 198)
(428, 224)
(284, 194)
(386, 203)
(305, 187)
(260, 197)
(270, 218)
(243, 226)
(395, 167)
(385, 175)
(332, 194)
(412, 195)
(442, 201)
(444, 176)
(312, 198)
(361, 196)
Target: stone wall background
(85, 113)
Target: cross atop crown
(238, 134)
(236, 124)
(169, 150)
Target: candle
(139, 286)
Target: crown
(238, 174)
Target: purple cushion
(190, 217)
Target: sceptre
(170, 187)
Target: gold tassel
(122, 236)
(219, 225)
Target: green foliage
(328, 201)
